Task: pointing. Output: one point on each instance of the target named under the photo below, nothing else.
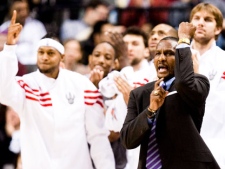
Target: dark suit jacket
(179, 120)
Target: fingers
(194, 57)
(13, 19)
(158, 82)
(115, 37)
(186, 30)
(122, 85)
(119, 37)
(121, 80)
(97, 73)
(158, 90)
(112, 36)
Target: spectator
(60, 111)
(221, 5)
(73, 56)
(33, 30)
(95, 10)
(9, 137)
(96, 36)
(115, 37)
(144, 11)
(180, 11)
(103, 60)
(208, 21)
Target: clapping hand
(124, 87)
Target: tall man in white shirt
(60, 111)
(208, 21)
(138, 73)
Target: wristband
(184, 40)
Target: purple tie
(153, 160)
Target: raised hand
(13, 30)
(186, 30)
(116, 39)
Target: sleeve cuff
(182, 45)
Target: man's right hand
(96, 76)
(13, 30)
(186, 30)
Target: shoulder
(30, 20)
(219, 58)
(70, 22)
(4, 26)
(126, 68)
(69, 73)
(28, 79)
(75, 77)
(220, 52)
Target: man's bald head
(158, 32)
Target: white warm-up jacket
(59, 117)
(212, 65)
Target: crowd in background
(143, 13)
(85, 28)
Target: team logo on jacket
(70, 97)
(212, 74)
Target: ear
(116, 65)
(89, 59)
(62, 57)
(146, 53)
(218, 30)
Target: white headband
(52, 43)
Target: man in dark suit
(172, 115)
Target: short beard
(203, 41)
(152, 55)
(47, 71)
(135, 61)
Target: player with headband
(61, 111)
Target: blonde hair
(212, 10)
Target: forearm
(97, 136)
(8, 71)
(135, 125)
(194, 88)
